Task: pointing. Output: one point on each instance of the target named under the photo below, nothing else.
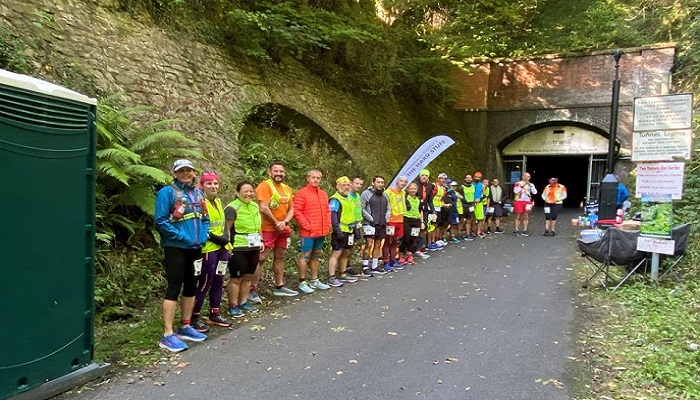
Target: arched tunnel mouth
(274, 132)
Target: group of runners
(203, 240)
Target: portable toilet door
(47, 245)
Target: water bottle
(179, 209)
(618, 215)
(594, 220)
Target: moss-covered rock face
(90, 48)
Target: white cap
(179, 164)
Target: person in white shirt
(524, 190)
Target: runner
(524, 190)
(277, 209)
(479, 202)
(497, 196)
(435, 241)
(456, 209)
(467, 191)
(314, 217)
(425, 194)
(343, 235)
(355, 190)
(214, 258)
(553, 195)
(244, 224)
(375, 214)
(397, 204)
(182, 222)
(412, 224)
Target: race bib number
(368, 230)
(437, 208)
(432, 217)
(547, 210)
(390, 230)
(351, 239)
(254, 240)
(221, 267)
(489, 210)
(528, 207)
(471, 209)
(415, 232)
(198, 267)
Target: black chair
(616, 248)
(680, 234)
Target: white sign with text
(660, 178)
(662, 145)
(656, 245)
(660, 113)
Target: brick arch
(530, 128)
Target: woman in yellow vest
(412, 225)
(397, 204)
(244, 225)
(215, 254)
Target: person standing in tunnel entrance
(553, 196)
(524, 190)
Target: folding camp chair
(617, 248)
(680, 234)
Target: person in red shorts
(524, 190)
(275, 200)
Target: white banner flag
(420, 159)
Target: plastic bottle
(179, 209)
(594, 220)
(618, 216)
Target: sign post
(662, 133)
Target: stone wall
(212, 93)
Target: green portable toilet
(47, 245)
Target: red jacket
(312, 212)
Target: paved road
(490, 319)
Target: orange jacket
(312, 212)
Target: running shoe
(455, 240)
(305, 288)
(248, 308)
(441, 243)
(411, 261)
(488, 231)
(515, 233)
(199, 325)
(551, 233)
(348, 278)
(335, 282)
(317, 284)
(378, 271)
(546, 233)
(498, 230)
(172, 343)
(402, 260)
(422, 255)
(236, 312)
(218, 320)
(352, 272)
(470, 238)
(397, 266)
(525, 233)
(431, 247)
(254, 297)
(284, 292)
(388, 268)
(366, 273)
(189, 333)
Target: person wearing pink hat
(215, 254)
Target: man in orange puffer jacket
(314, 216)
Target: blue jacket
(622, 194)
(186, 233)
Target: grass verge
(640, 342)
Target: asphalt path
(489, 319)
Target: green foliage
(131, 160)
(12, 53)
(647, 342)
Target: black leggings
(409, 242)
(179, 272)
